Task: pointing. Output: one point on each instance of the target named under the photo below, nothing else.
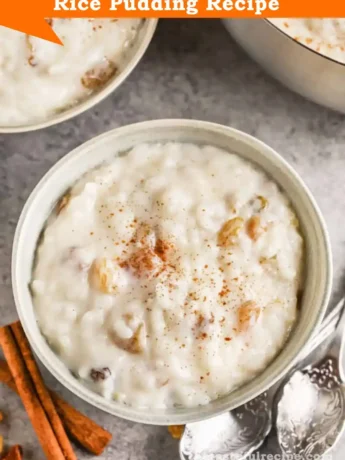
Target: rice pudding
(324, 35)
(169, 276)
(39, 79)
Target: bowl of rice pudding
(43, 83)
(170, 270)
(305, 54)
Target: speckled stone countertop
(192, 69)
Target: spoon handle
(327, 329)
(336, 348)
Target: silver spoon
(311, 404)
(238, 433)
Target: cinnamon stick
(90, 435)
(85, 431)
(15, 453)
(6, 376)
(42, 392)
(29, 397)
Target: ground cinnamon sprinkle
(141, 262)
(162, 249)
(225, 291)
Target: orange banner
(28, 16)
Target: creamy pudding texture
(169, 276)
(324, 35)
(39, 78)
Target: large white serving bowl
(318, 264)
(305, 71)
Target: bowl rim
(317, 53)
(133, 414)
(148, 31)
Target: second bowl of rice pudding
(43, 83)
(174, 275)
(305, 54)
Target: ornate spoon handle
(337, 346)
(238, 433)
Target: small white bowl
(318, 272)
(134, 55)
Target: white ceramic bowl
(318, 273)
(134, 55)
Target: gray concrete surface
(192, 69)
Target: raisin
(228, 233)
(100, 374)
(97, 77)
